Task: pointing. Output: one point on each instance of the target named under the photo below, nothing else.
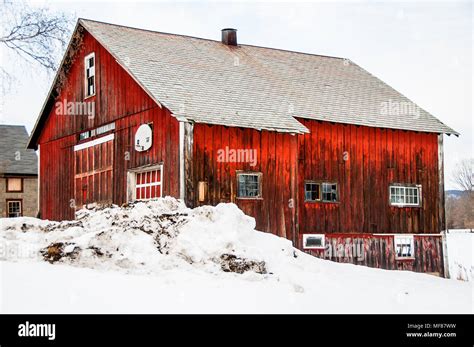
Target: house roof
(15, 159)
(206, 81)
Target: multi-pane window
(249, 185)
(312, 191)
(148, 184)
(329, 192)
(404, 246)
(405, 195)
(14, 208)
(320, 191)
(14, 184)
(89, 65)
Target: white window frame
(20, 202)
(404, 239)
(86, 79)
(250, 173)
(307, 236)
(132, 181)
(404, 188)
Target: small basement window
(89, 66)
(313, 241)
(404, 246)
(329, 192)
(14, 185)
(249, 185)
(401, 195)
(312, 191)
(14, 208)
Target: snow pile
(460, 244)
(148, 237)
(202, 260)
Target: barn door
(93, 171)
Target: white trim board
(94, 142)
(181, 162)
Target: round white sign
(143, 138)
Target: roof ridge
(13, 125)
(211, 40)
(297, 91)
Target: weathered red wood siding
(165, 149)
(378, 251)
(375, 158)
(118, 98)
(56, 184)
(276, 160)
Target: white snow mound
(148, 237)
(202, 260)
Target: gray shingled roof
(206, 81)
(14, 157)
(199, 79)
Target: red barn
(317, 149)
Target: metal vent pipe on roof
(229, 37)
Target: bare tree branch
(463, 175)
(37, 35)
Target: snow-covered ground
(460, 244)
(161, 257)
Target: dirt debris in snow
(56, 251)
(232, 263)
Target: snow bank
(202, 260)
(148, 237)
(460, 244)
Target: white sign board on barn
(143, 138)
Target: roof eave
(120, 62)
(32, 141)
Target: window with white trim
(148, 184)
(401, 195)
(89, 66)
(14, 208)
(404, 246)
(249, 185)
(313, 241)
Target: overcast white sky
(422, 49)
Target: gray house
(18, 173)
